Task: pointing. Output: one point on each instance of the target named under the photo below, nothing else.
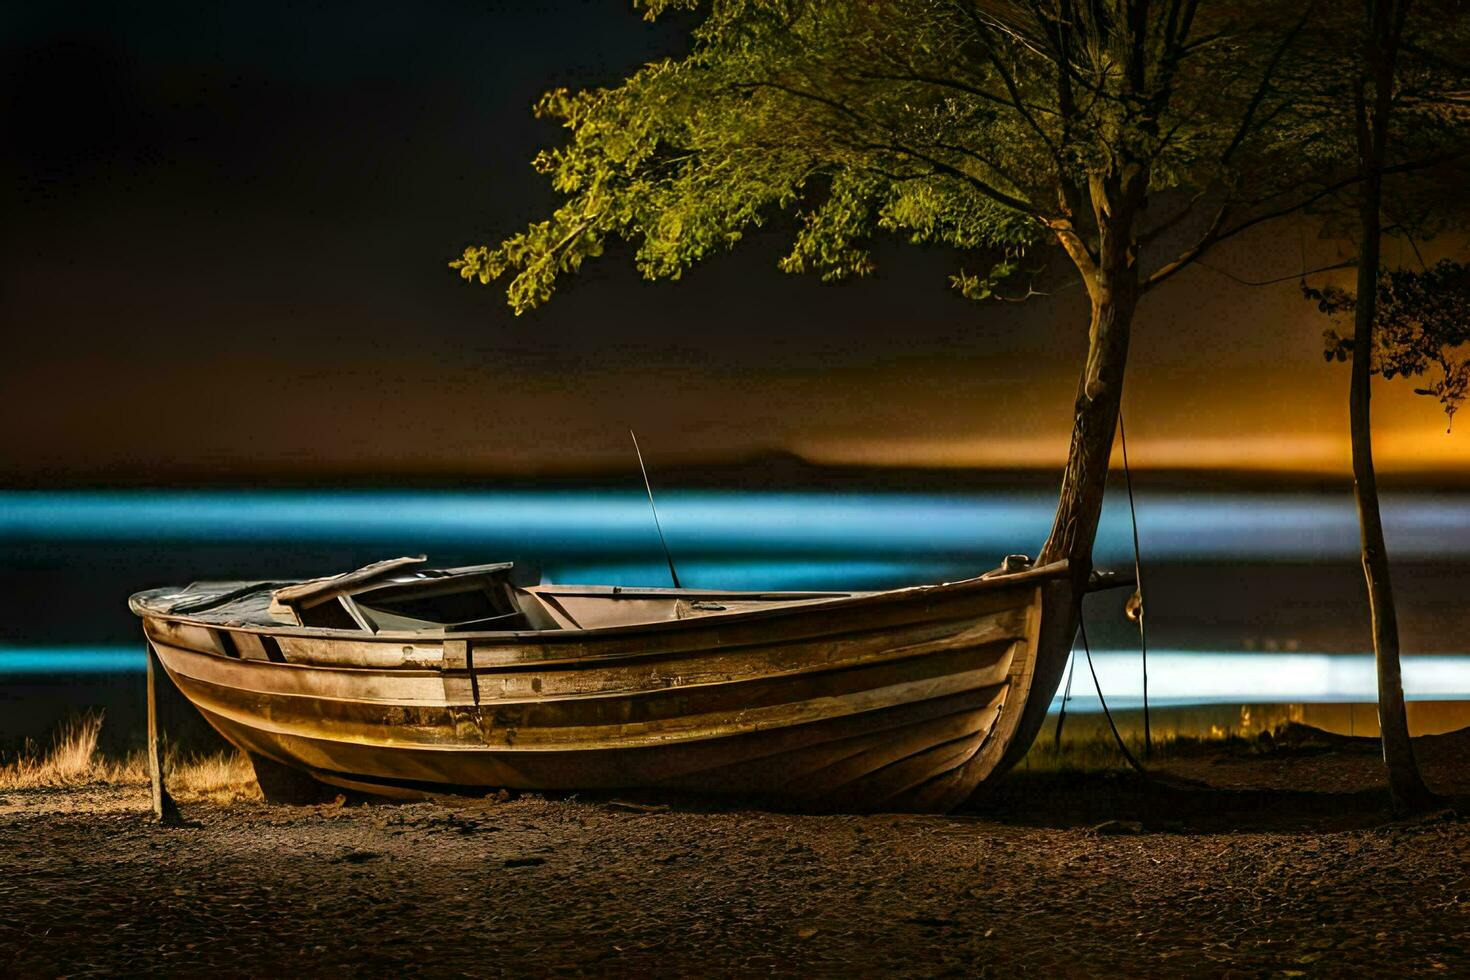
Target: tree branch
(1010, 83)
(1017, 204)
(1153, 233)
(1345, 264)
(1000, 197)
(945, 83)
(1217, 233)
(1259, 94)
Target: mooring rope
(1148, 742)
(1122, 746)
(1142, 637)
(1066, 696)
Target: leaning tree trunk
(1113, 289)
(1094, 422)
(1112, 285)
(1404, 781)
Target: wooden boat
(400, 680)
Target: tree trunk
(1113, 289)
(1111, 277)
(1404, 781)
(1094, 421)
(1112, 285)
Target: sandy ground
(1289, 865)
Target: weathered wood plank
(583, 724)
(331, 585)
(164, 809)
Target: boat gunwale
(981, 583)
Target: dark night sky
(224, 252)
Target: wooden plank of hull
(902, 706)
(763, 760)
(791, 620)
(651, 718)
(856, 773)
(515, 685)
(1056, 633)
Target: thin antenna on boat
(653, 507)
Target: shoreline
(1277, 859)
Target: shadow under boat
(401, 680)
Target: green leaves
(988, 128)
(985, 286)
(808, 109)
(833, 241)
(1421, 329)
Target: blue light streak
(1176, 677)
(707, 523)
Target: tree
(1373, 104)
(1106, 129)
(1419, 325)
(1401, 321)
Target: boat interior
(401, 595)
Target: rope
(1066, 696)
(1148, 742)
(1122, 746)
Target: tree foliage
(994, 128)
(1422, 319)
(1422, 329)
(1428, 131)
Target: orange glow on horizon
(1401, 452)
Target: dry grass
(222, 778)
(1099, 751)
(72, 759)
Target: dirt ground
(1287, 863)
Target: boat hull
(904, 700)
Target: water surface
(1251, 596)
